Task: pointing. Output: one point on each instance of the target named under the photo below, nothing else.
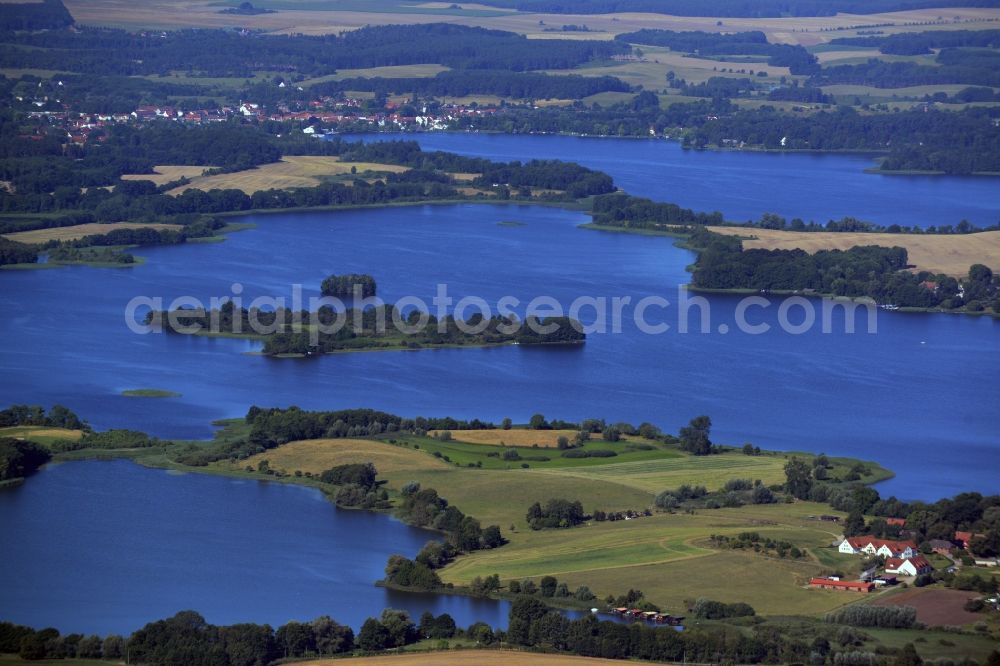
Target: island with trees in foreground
(288, 334)
(502, 501)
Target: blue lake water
(921, 395)
(105, 547)
(745, 185)
(922, 383)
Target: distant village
(315, 117)
(895, 559)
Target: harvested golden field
(174, 14)
(166, 173)
(78, 231)
(474, 658)
(512, 437)
(317, 455)
(949, 254)
(291, 171)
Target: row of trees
(463, 82)
(919, 43)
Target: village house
(882, 547)
(963, 538)
(942, 546)
(909, 566)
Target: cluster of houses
(650, 617)
(902, 558)
(325, 112)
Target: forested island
(347, 285)
(298, 334)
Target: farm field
(390, 71)
(512, 437)
(317, 455)
(163, 174)
(291, 171)
(949, 254)
(78, 231)
(935, 607)
(41, 434)
(651, 72)
(352, 14)
(656, 475)
(845, 89)
(667, 557)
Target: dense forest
(44, 15)
(951, 142)
(919, 43)
(730, 8)
(704, 44)
(223, 53)
(459, 83)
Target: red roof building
(843, 585)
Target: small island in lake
(343, 286)
(288, 334)
(150, 393)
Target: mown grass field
(659, 474)
(291, 171)
(41, 434)
(668, 557)
(949, 254)
(78, 231)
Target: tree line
(973, 67)
(459, 83)
(920, 43)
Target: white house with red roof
(872, 546)
(909, 566)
